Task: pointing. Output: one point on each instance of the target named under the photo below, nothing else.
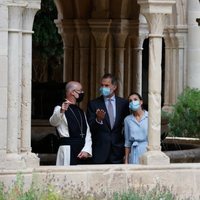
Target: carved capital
(137, 41)
(15, 17)
(28, 18)
(100, 30)
(65, 26)
(119, 29)
(156, 22)
(155, 12)
(67, 30)
(83, 32)
(156, 6)
(34, 4)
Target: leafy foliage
(35, 192)
(49, 192)
(46, 40)
(184, 121)
(156, 193)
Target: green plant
(48, 192)
(35, 192)
(157, 193)
(47, 44)
(184, 121)
(46, 40)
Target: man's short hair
(114, 80)
(70, 86)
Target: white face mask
(105, 91)
(134, 105)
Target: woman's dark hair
(135, 93)
(139, 96)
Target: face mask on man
(80, 97)
(134, 105)
(105, 91)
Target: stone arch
(181, 10)
(101, 17)
(179, 13)
(175, 36)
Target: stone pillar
(3, 79)
(82, 31)
(181, 36)
(30, 159)
(193, 70)
(139, 31)
(155, 12)
(120, 33)
(171, 70)
(66, 30)
(168, 81)
(15, 143)
(175, 65)
(28, 17)
(137, 49)
(100, 31)
(14, 51)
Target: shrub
(157, 193)
(35, 192)
(184, 121)
(49, 192)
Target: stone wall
(100, 181)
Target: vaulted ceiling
(97, 9)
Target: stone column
(173, 70)
(30, 159)
(3, 79)
(17, 72)
(181, 36)
(82, 31)
(168, 81)
(14, 52)
(193, 70)
(155, 12)
(137, 44)
(100, 31)
(66, 30)
(28, 17)
(175, 65)
(120, 33)
(139, 31)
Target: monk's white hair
(72, 85)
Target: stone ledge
(101, 181)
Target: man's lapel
(103, 106)
(118, 108)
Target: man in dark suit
(105, 116)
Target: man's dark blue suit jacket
(107, 143)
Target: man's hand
(100, 114)
(65, 106)
(83, 155)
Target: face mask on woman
(134, 105)
(105, 91)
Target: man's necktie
(111, 113)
